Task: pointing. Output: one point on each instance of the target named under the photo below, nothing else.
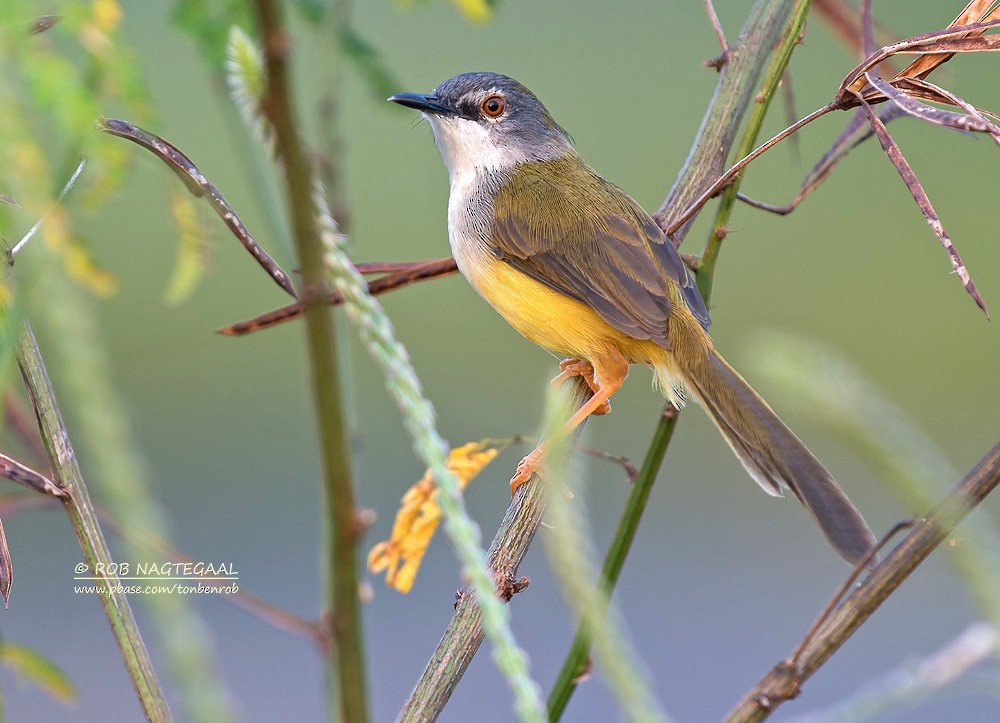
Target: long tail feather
(773, 455)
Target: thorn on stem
(718, 62)
(511, 586)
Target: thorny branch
(199, 185)
(785, 680)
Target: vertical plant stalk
(83, 517)
(777, 23)
(488, 588)
(772, 78)
(734, 92)
(575, 665)
(67, 319)
(570, 554)
(347, 679)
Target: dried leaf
(908, 92)
(936, 48)
(920, 196)
(977, 11)
(23, 475)
(419, 515)
(937, 116)
(199, 185)
(6, 568)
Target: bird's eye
(494, 106)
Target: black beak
(423, 103)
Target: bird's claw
(526, 468)
(569, 368)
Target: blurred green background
(723, 581)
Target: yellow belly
(552, 320)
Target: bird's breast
(544, 316)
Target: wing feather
(617, 262)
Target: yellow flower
(476, 10)
(419, 515)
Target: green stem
(347, 663)
(773, 76)
(575, 663)
(767, 22)
(83, 517)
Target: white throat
(469, 149)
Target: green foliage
(59, 81)
(32, 667)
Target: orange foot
(527, 467)
(570, 368)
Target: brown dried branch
(856, 131)
(43, 23)
(975, 11)
(713, 17)
(907, 92)
(16, 472)
(866, 563)
(935, 49)
(626, 464)
(199, 185)
(784, 681)
(401, 274)
(924, 202)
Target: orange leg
(570, 368)
(605, 377)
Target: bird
(576, 266)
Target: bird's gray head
(488, 122)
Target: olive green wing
(618, 266)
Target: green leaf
(31, 666)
